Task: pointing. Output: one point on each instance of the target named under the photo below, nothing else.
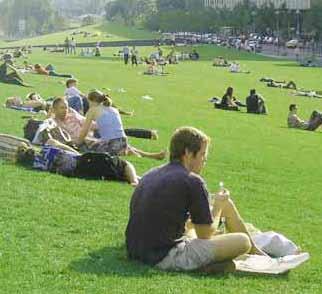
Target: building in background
(290, 4)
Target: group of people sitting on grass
(255, 103)
(9, 73)
(88, 52)
(155, 67)
(175, 223)
(35, 103)
(70, 134)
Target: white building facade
(290, 4)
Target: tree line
(23, 18)
(26, 18)
(191, 15)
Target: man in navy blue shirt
(169, 197)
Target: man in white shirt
(126, 54)
(73, 46)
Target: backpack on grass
(30, 128)
(94, 165)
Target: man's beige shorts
(189, 255)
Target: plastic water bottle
(221, 187)
(222, 227)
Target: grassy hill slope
(62, 235)
(106, 31)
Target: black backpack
(30, 128)
(94, 165)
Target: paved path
(286, 53)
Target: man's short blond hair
(186, 138)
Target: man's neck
(60, 119)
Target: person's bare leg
(158, 155)
(234, 222)
(130, 174)
(132, 151)
(230, 246)
(226, 248)
(56, 143)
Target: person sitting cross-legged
(294, 121)
(229, 102)
(255, 103)
(170, 196)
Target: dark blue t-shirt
(160, 207)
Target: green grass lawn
(61, 235)
(106, 31)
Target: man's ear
(187, 153)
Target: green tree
(313, 20)
(37, 16)
(170, 5)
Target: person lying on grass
(289, 85)
(270, 80)
(33, 102)
(294, 121)
(49, 70)
(68, 162)
(110, 128)
(307, 93)
(170, 198)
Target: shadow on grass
(301, 131)
(110, 261)
(113, 261)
